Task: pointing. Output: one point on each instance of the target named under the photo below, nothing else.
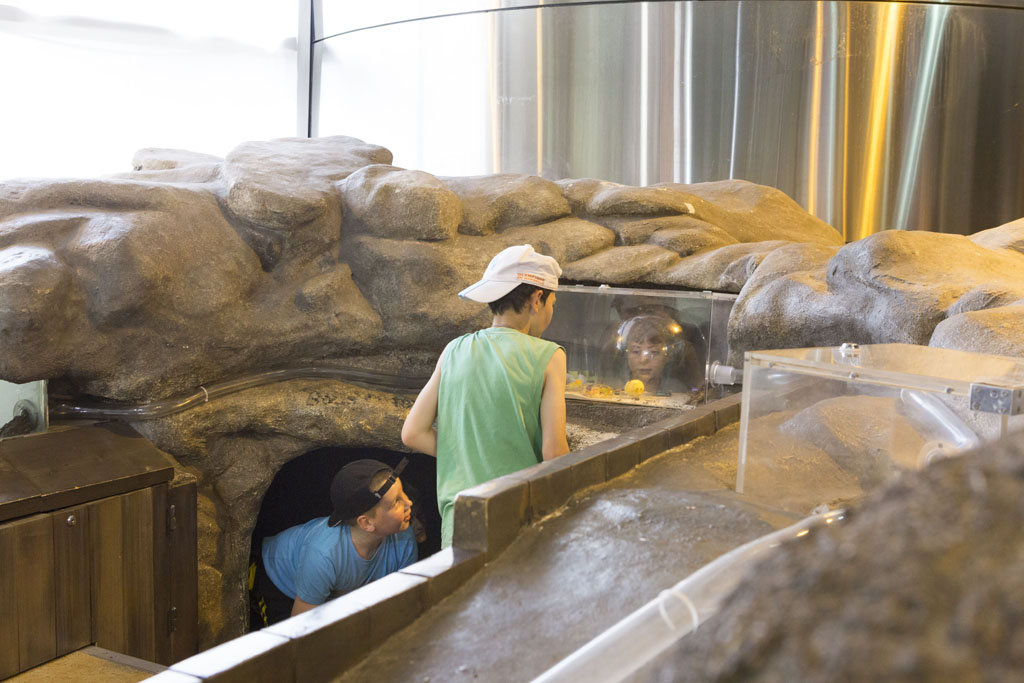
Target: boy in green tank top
(497, 395)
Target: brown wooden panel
(184, 570)
(73, 587)
(8, 604)
(72, 466)
(18, 495)
(107, 576)
(161, 577)
(33, 576)
(139, 618)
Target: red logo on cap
(530, 277)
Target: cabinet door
(27, 623)
(71, 545)
(121, 530)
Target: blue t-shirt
(314, 562)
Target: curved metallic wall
(872, 115)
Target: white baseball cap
(509, 269)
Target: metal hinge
(172, 519)
(172, 620)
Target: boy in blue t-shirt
(304, 566)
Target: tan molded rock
(492, 203)
(386, 201)
(1008, 236)
(998, 331)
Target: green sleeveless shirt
(488, 411)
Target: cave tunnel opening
(300, 491)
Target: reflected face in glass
(647, 358)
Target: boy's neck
(364, 542)
(517, 321)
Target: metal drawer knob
(72, 520)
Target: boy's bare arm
(552, 408)
(418, 431)
(300, 606)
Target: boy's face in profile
(393, 513)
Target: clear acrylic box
(823, 426)
(647, 347)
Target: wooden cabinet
(97, 546)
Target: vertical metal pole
(308, 76)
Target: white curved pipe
(637, 639)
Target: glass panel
(828, 425)
(29, 397)
(637, 346)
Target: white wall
(88, 82)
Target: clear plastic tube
(147, 411)
(937, 418)
(636, 640)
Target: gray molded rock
(889, 287)
(492, 203)
(578, 191)
(687, 235)
(755, 213)
(283, 184)
(184, 261)
(34, 323)
(906, 282)
(414, 286)
(998, 331)
(725, 269)
(611, 199)
(630, 230)
(923, 582)
(565, 240)
(391, 202)
(1007, 236)
(864, 435)
(162, 159)
(786, 304)
(621, 265)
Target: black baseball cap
(351, 495)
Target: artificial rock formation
(911, 287)
(192, 270)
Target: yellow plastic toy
(634, 388)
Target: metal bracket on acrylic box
(998, 400)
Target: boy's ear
(365, 523)
(535, 300)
